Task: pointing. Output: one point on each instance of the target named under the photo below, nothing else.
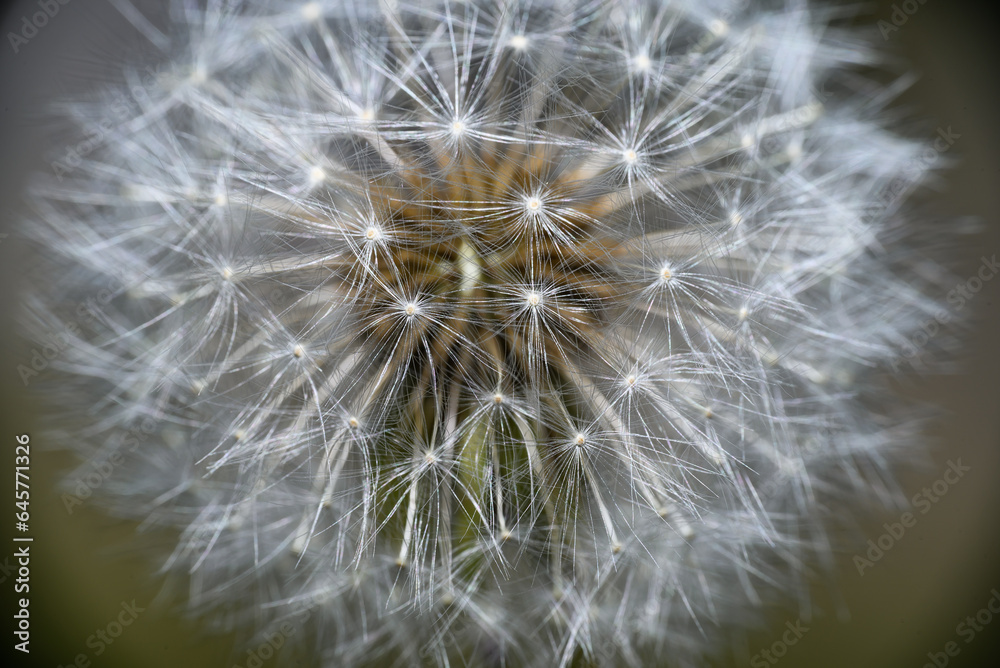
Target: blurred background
(903, 611)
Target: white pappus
(473, 333)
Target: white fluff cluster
(523, 333)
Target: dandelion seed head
(490, 334)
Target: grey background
(908, 604)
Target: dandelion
(478, 333)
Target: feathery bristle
(489, 334)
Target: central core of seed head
(497, 246)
